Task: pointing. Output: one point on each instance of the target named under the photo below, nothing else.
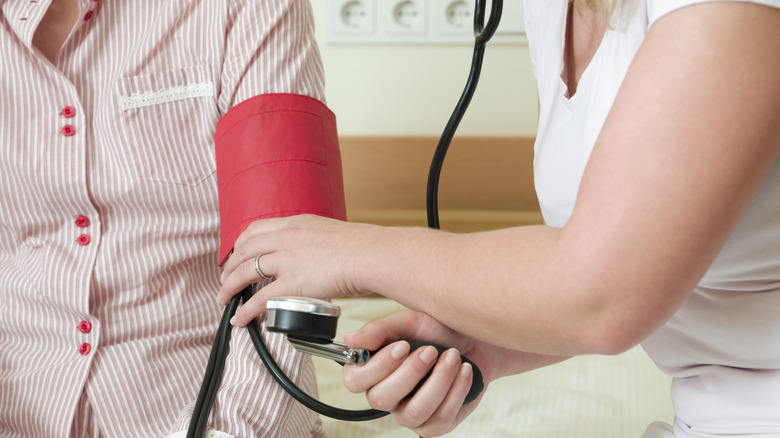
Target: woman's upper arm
(693, 132)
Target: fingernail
(400, 350)
(465, 369)
(428, 355)
(451, 356)
(233, 320)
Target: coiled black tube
(482, 33)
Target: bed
(486, 185)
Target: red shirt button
(82, 221)
(85, 327)
(68, 112)
(84, 349)
(88, 16)
(83, 239)
(68, 130)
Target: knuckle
(447, 413)
(432, 428)
(378, 400)
(444, 415)
(250, 229)
(416, 414)
(351, 381)
(418, 369)
(240, 254)
(293, 230)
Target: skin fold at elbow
(611, 326)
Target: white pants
(659, 429)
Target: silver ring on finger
(260, 271)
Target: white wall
(395, 89)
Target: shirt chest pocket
(169, 119)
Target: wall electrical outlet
(455, 16)
(352, 17)
(416, 22)
(405, 16)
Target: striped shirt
(109, 221)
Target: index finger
(241, 247)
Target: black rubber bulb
(477, 384)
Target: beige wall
(393, 89)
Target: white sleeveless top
(723, 346)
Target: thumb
(378, 333)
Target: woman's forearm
(509, 287)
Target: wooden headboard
(486, 182)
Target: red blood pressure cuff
(277, 155)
